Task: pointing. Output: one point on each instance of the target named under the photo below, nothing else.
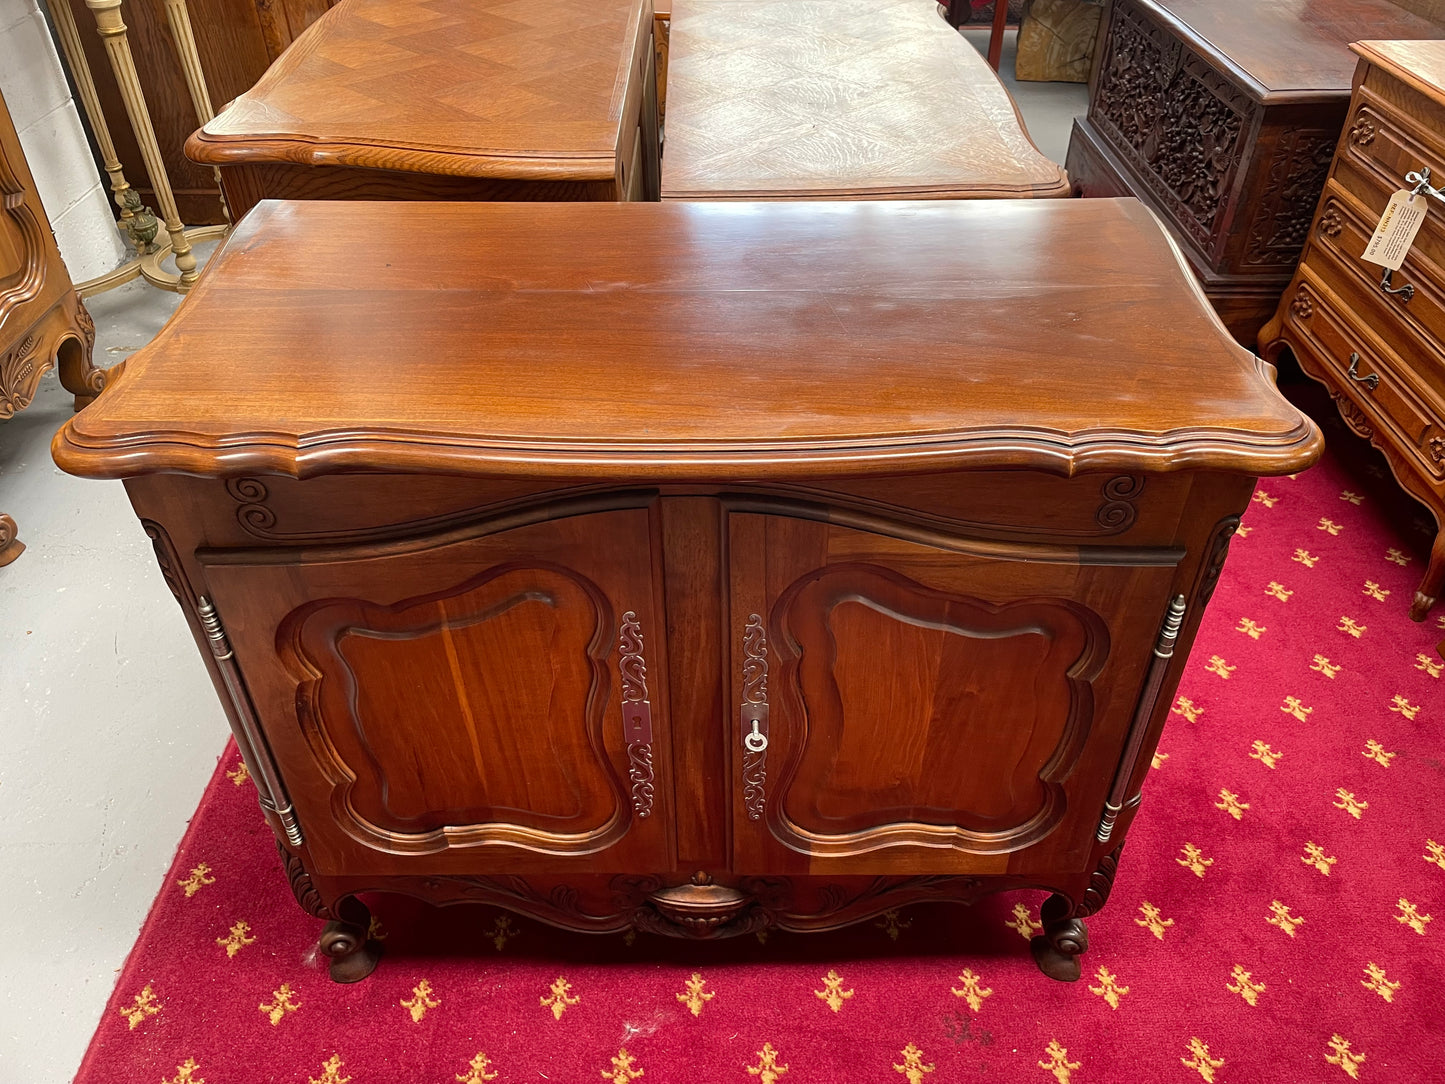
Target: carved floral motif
(1331, 222)
(1286, 206)
(636, 713)
(1303, 305)
(1362, 132)
(21, 368)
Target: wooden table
(694, 567)
(839, 99)
(1223, 117)
(452, 99)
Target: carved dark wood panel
(1286, 205)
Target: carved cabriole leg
(1064, 939)
(10, 546)
(78, 374)
(113, 32)
(1430, 586)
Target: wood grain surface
(1418, 64)
(841, 99)
(1062, 335)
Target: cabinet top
(1284, 50)
(471, 88)
(851, 98)
(1421, 64)
(676, 340)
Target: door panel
(929, 709)
(440, 698)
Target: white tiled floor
(109, 727)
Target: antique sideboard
(694, 567)
(1222, 117)
(839, 99)
(452, 100)
(1376, 338)
(42, 320)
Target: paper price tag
(1403, 217)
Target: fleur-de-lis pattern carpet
(1279, 912)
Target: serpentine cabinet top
(692, 341)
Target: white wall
(76, 200)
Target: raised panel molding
(832, 799)
(381, 686)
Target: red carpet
(1279, 913)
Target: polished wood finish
(607, 587)
(42, 321)
(1222, 117)
(1379, 344)
(473, 100)
(839, 99)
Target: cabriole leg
(1429, 589)
(1058, 948)
(353, 955)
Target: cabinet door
(928, 708)
(473, 705)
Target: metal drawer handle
(1372, 381)
(1404, 293)
(1421, 180)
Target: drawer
(1379, 146)
(1388, 402)
(1411, 322)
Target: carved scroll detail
(754, 716)
(1101, 883)
(253, 514)
(636, 713)
(301, 887)
(1218, 551)
(1118, 512)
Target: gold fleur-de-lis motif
(560, 997)
(1376, 752)
(1265, 755)
(1250, 628)
(1404, 707)
(1026, 926)
(1280, 916)
(1242, 531)
(1194, 860)
(374, 931)
(1187, 708)
(974, 991)
(1278, 590)
(502, 931)
(1153, 921)
(1375, 591)
(1217, 665)
(477, 1070)
(891, 924)
(1351, 626)
(420, 1001)
(832, 991)
(1353, 498)
(1244, 985)
(1410, 916)
(330, 1072)
(236, 940)
(767, 1070)
(1306, 558)
(1434, 853)
(186, 1073)
(198, 879)
(1401, 559)
(144, 1004)
(1293, 706)
(1349, 803)
(1324, 666)
(1315, 856)
(1058, 1063)
(622, 1068)
(1230, 803)
(1200, 1060)
(1261, 497)
(1108, 988)
(239, 774)
(696, 995)
(1344, 1057)
(281, 1003)
(912, 1068)
(1158, 760)
(1329, 526)
(1428, 665)
(1376, 980)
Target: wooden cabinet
(477, 100)
(605, 586)
(1377, 339)
(42, 320)
(1223, 119)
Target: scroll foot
(1057, 949)
(353, 955)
